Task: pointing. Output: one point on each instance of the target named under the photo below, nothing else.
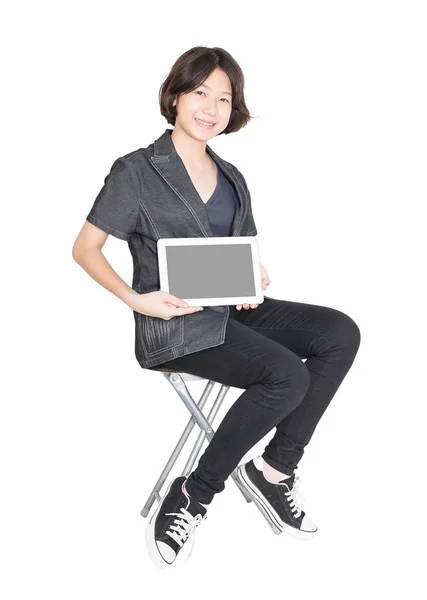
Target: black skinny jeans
(262, 354)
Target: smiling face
(210, 102)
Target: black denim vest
(149, 195)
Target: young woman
(179, 187)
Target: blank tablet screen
(215, 271)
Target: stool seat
(184, 375)
(163, 368)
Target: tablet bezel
(258, 298)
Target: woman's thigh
(246, 357)
(305, 329)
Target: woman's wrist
(129, 297)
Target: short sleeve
(249, 227)
(250, 223)
(115, 209)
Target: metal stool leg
(205, 424)
(164, 474)
(210, 433)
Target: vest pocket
(158, 335)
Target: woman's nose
(210, 110)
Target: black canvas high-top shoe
(171, 529)
(277, 501)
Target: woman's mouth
(204, 124)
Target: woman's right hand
(162, 304)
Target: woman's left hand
(265, 281)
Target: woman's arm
(87, 252)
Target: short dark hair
(191, 69)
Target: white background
(336, 164)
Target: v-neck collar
(216, 187)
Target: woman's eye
(202, 92)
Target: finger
(177, 311)
(175, 301)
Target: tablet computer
(211, 271)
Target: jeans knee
(355, 335)
(348, 332)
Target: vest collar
(170, 166)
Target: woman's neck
(190, 150)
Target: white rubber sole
(273, 519)
(151, 545)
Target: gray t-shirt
(221, 207)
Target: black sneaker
(172, 525)
(277, 501)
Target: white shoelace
(185, 524)
(296, 497)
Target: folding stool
(177, 379)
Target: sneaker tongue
(289, 481)
(196, 508)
